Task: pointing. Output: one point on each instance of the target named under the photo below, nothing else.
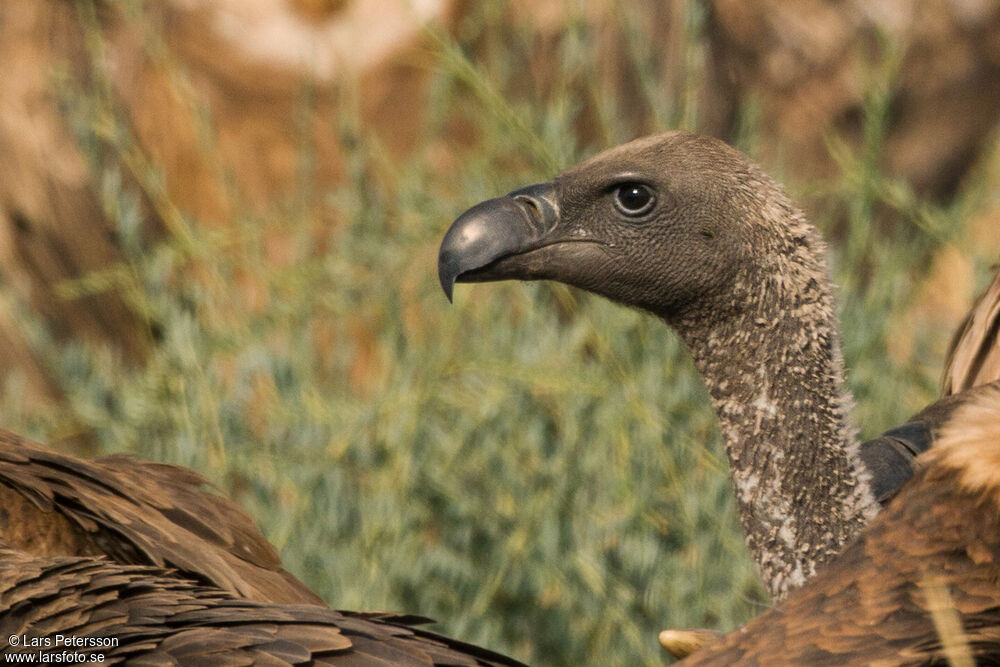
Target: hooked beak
(481, 244)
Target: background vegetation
(538, 469)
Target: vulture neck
(774, 370)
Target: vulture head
(666, 223)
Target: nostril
(538, 204)
(532, 206)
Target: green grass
(536, 468)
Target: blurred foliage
(538, 469)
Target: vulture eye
(634, 199)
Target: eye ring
(634, 200)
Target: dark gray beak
(476, 243)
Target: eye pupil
(634, 199)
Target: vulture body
(137, 512)
(145, 615)
(147, 555)
(691, 230)
(920, 586)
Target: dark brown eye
(634, 199)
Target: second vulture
(140, 513)
(145, 564)
(139, 615)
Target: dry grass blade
(954, 643)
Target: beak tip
(446, 276)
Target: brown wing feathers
(137, 512)
(226, 600)
(157, 618)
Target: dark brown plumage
(889, 458)
(136, 512)
(922, 583)
(83, 545)
(149, 616)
